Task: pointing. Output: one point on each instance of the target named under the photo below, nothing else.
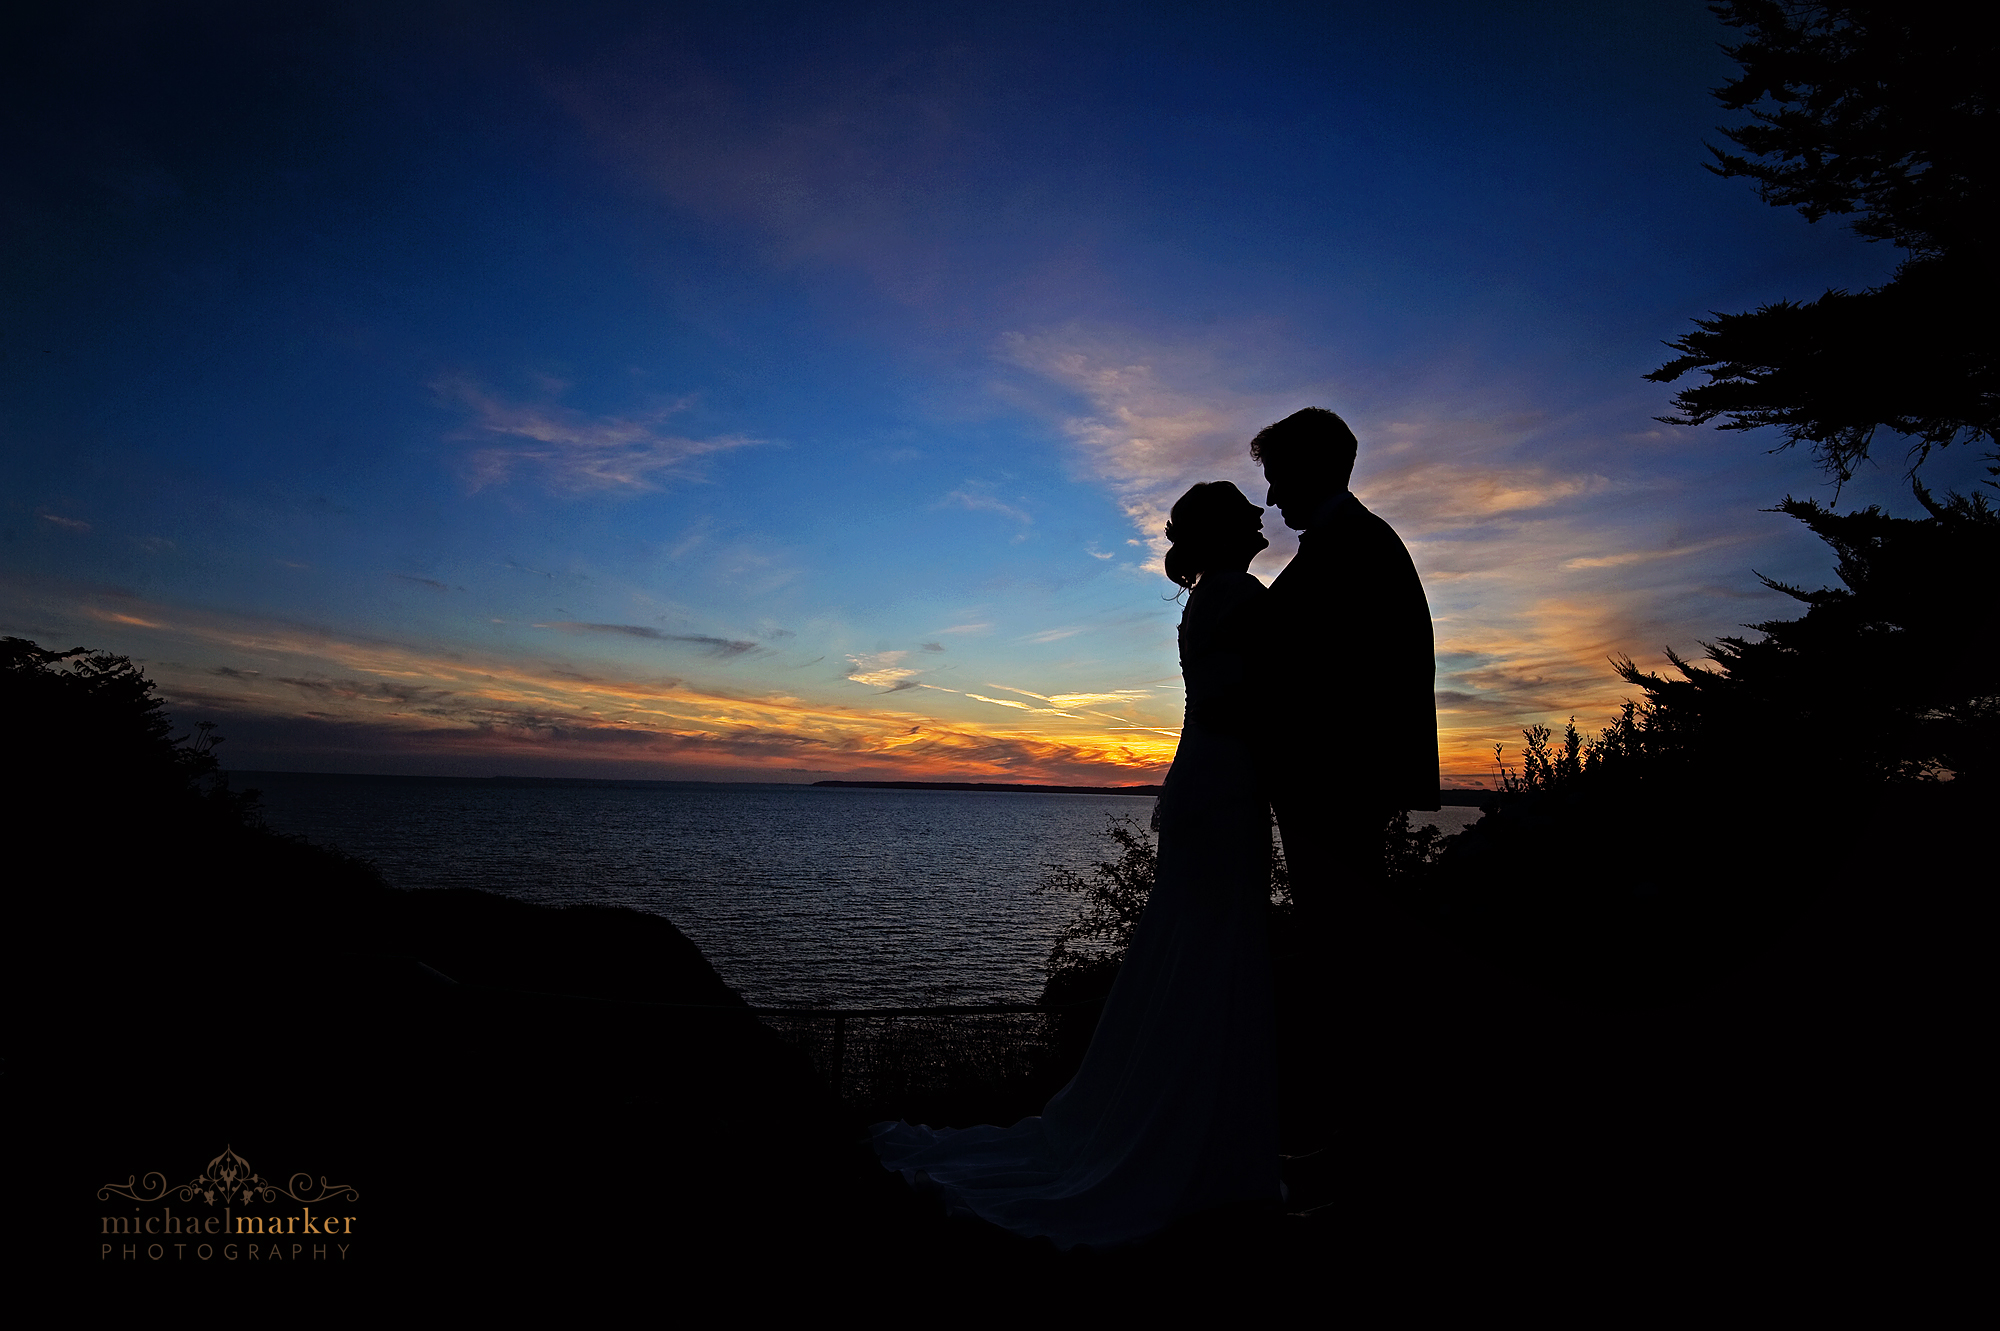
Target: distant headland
(1450, 798)
(1148, 791)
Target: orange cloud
(409, 699)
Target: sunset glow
(799, 392)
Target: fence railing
(913, 1044)
(1008, 1041)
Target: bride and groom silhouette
(1311, 699)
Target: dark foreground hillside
(510, 1144)
(487, 1075)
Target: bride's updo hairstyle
(1211, 526)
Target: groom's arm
(1350, 708)
(1394, 670)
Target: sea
(800, 896)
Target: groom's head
(1308, 458)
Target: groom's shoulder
(1366, 537)
(1356, 531)
(1359, 518)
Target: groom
(1350, 739)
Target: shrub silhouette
(1882, 681)
(1809, 761)
(1880, 684)
(99, 732)
(1083, 961)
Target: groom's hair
(1313, 437)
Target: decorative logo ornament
(229, 1178)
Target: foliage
(1549, 764)
(1884, 112)
(1881, 680)
(1113, 897)
(1878, 683)
(1822, 758)
(1828, 373)
(93, 720)
(1818, 758)
(1088, 950)
(1411, 853)
(1542, 768)
(104, 700)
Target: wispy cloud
(979, 501)
(714, 646)
(1026, 707)
(1072, 704)
(1648, 556)
(1099, 699)
(1159, 416)
(1055, 635)
(423, 582)
(1056, 707)
(77, 525)
(1025, 693)
(880, 669)
(576, 452)
(115, 617)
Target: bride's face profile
(1235, 557)
(1214, 529)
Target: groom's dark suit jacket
(1351, 719)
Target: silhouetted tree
(1885, 680)
(1837, 752)
(1886, 112)
(92, 736)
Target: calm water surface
(797, 894)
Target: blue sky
(780, 392)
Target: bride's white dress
(1174, 1109)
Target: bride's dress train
(1174, 1109)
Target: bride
(1174, 1109)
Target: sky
(792, 392)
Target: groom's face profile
(1296, 491)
